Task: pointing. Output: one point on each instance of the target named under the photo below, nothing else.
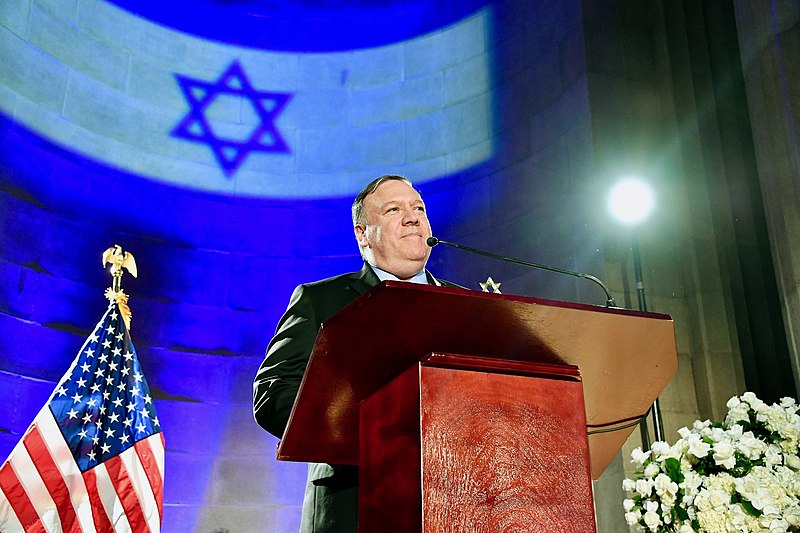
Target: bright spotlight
(631, 201)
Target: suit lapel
(431, 280)
(364, 280)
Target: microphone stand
(433, 241)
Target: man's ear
(360, 231)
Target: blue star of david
(231, 153)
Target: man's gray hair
(358, 203)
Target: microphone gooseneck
(433, 241)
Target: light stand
(658, 423)
(631, 202)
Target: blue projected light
(421, 107)
(230, 152)
(302, 26)
(222, 143)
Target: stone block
(423, 137)
(403, 100)
(244, 438)
(204, 376)
(49, 31)
(467, 123)
(678, 396)
(35, 350)
(380, 146)
(243, 371)
(447, 47)
(190, 427)
(415, 170)
(138, 36)
(14, 17)
(469, 156)
(224, 519)
(467, 79)
(547, 126)
(30, 294)
(188, 477)
(374, 67)
(23, 398)
(34, 75)
(513, 145)
(325, 72)
(8, 101)
(282, 274)
(317, 110)
(274, 71)
(324, 150)
(240, 481)
(198, 328)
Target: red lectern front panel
(460, 448)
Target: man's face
(396, 229)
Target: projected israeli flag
(196, 113)
(223, 142)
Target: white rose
(773, 524)
(691, 482)
(718, 498)
(659, 448)
(773, 455)
(697, 447)
(639, 457)
(787, 402)
(792, 517)
(789, 430)
(652, 520)
(751, 447)
(723, 454)
(746, 486)
(664, 485)
(761, 499)
(652, 470)
(633, 517)
(628, 485)
(750, 398)
(644, 487)
(702, 501)
(792, 461)
(738, 413)
(628, 504)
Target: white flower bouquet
(741, 475)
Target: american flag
(93, 458)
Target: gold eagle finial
(119, 260)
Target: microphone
(433, 241)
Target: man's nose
(410, 217)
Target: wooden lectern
(469, 411)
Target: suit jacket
(330, 502)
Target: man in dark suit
(391, 228)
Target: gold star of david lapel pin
(490, 286)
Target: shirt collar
(420, 277)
